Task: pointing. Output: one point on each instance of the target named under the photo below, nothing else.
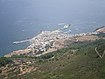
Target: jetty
(23, 41)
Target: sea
(24, 19)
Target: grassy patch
(70, 64)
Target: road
(101, 56)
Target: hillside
(82, 58)
(78, 61)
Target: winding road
(101, 56)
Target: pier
(23, 41)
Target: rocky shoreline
(49, 41)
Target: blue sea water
(23, 19)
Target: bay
(24, 19)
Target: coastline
(99, 28)
(49, 41)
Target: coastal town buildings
(49, 41)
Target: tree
(4, 61)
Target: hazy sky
(18, 14)
(49, 10)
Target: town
(49, 41)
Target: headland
(49, 41)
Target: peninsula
(49, 41)
(57, 55)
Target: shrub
(4, 61)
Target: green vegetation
(82, 64)
(19, 56)
(78, 61)
(4, 61)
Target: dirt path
(101, 56)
